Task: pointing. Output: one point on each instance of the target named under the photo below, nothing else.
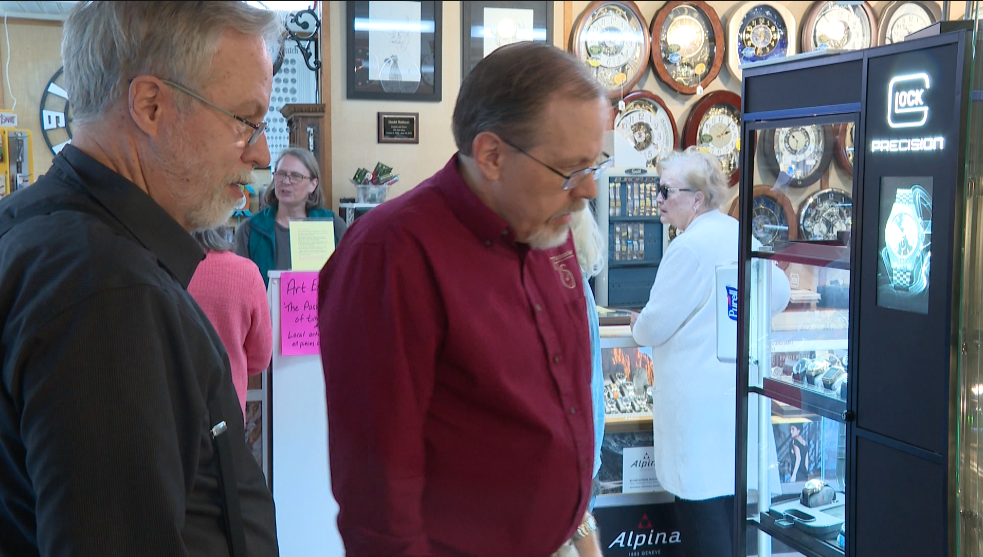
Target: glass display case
(628, 376)
(801, 217)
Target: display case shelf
(819, 254)
(783, 342)
(807, 398)
(799, 541)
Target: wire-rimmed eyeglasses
(575, 178)
(258, 129)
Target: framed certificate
(486, 26)
(393, 50)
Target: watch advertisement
(905, 243)
(639, 531)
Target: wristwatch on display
(906, 253)
(816, 493)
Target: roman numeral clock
(56, 114)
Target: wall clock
(824, 214)
(647, 124)
(772, 218)
(846, 27)
(760, 31)
(56, 114)
(611, 38)
(845, 137)
(900, 19)
(687, 45)
(714, 125)
(802, 153)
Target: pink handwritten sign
(298, 314)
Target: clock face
(824, 214)
(762, 35)
(900, 19)
(714, 126)
(613, 41)
(903, 235)
(799, 154)
(847, 27)
(647, 125)
(689, 50)
(772, 218)
(56, 114)
(845, 150)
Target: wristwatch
(906, 240)
(586, 528)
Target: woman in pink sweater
(231, 292)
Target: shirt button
(556, 358)
(487, 243)
(573, 410)
(539, 307)
(505, 232)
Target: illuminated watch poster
(905, 243)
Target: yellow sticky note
(311, 243)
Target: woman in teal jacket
(265, 237)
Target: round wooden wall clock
(647, 124)
(845, 137)
(900, 19)
(760, 31)
(802, 153)
(772, 217)
(687, 45)
(611, 38)
(846, 27)
(824, 214)
(714, 125)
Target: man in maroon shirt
(453, 333)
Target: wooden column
(305, 125)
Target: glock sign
(906, 107)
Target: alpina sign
(639, 531)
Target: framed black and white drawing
(486, 26)
(393, 50)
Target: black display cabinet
(848, 398)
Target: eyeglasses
(664, 190)
(575, 178)
(289, 177)
(258, 129)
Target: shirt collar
(147, 221)
(484, 223)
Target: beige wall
(35, 56)
(353, 122)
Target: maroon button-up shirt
(457, 371)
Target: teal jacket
(262, 237)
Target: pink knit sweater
(231, 292)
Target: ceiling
(36, 10)
(59, 10)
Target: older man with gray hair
(120, 430)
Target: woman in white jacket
(694, 395)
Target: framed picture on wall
(258, 425)
(486, 26)
(393, 50)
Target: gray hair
(106, 44)
(315, 198)
(700, 171)
(589, 242)
(213, 239)
(508, 90)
